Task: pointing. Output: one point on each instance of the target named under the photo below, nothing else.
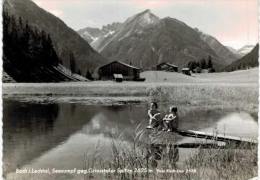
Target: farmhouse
(186, 71)
(167, 67)
(119, 69)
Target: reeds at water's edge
(140, 162)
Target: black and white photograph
(130, 89)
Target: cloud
(151, 4)
(240, 25)
(55, 6)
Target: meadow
(234, 89)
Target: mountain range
(91, 35)
(245, 49)
(221, 50)
(145, 40)
(247, 61)
(241, 51)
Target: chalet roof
(167, 64)
(130, 66)
(185, 69)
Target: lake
(62, 135)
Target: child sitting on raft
(171, 120)
(154, 116)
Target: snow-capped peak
(144, 18)
(147, 17)
(245, 49)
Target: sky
(233, 22)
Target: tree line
(197, 66)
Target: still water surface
(61, 135)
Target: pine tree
(192, 65)
(89, 76)
(210, 65)
(203, 64)
(72, 63)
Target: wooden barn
(167, 67)
(118, 68)
(186, 71)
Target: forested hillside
(28, 54)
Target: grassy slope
(161, 76)
(241, 76)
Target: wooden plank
(200, 145)
(211, 136)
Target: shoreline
(106, 88)
(242, 96)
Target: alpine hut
(167, 67)
(119, 69)
(186, 71)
